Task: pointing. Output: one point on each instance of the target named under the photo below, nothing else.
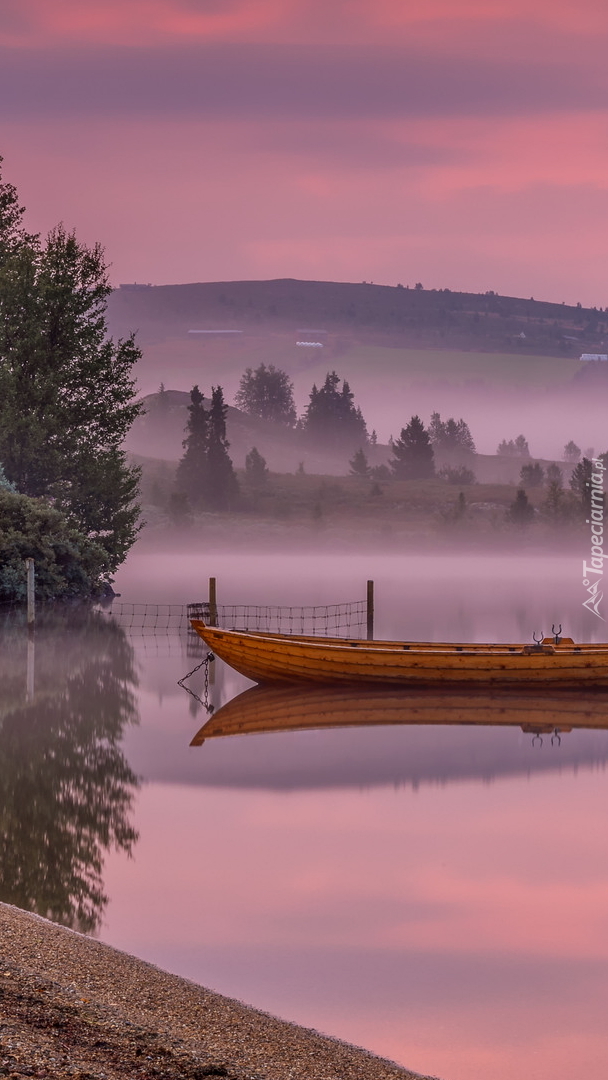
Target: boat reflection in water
(265, 709)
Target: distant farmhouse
(593, 356)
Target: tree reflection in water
(66, 789)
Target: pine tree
(580, 484)
(554, 475)
(222, 485)
(413, 457)
(192, 478)
(533, 475)
(555, 507)
(359, 465)
(256, 470)
(514, 447)
(332, 418)
(450, 436)
(520, 512)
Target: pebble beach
(73, 1007)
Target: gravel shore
(72, 1007)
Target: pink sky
(456, 142)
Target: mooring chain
(204, 701)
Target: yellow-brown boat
(286, 658)
(265, 709)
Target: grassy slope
(179, 362)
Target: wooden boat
(266, 709)
(271, 658)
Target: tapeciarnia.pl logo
(593, 571)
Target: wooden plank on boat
(283, 658)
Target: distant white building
(593, 356)
(310, 344)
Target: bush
(68, 564)
(458, 475)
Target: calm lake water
(437, 894)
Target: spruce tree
(580, 484)
(332, 419)
(450, 436)
(256, 470)
(413, 457)
(359, 465)
(192, 478)
(520, 512)
(222, 485)
(533, 475)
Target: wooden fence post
(212, 602)
(370, 611)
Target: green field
(179, 362)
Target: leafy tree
(192, 471)
(332, 418)
(223, 486)
(451, 435)
(359, 464)
(267, 392)
(256, 470)
(533, 475)
(572, 452)
(458, 476)
(413, 457)
(66, 390)
(68, 563)
(520, 512)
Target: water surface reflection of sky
(436, 894)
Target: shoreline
(71, 1006)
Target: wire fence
(327, 620)
(150, 618)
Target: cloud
(144, 22)
(289, 82)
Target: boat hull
(283, 659)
